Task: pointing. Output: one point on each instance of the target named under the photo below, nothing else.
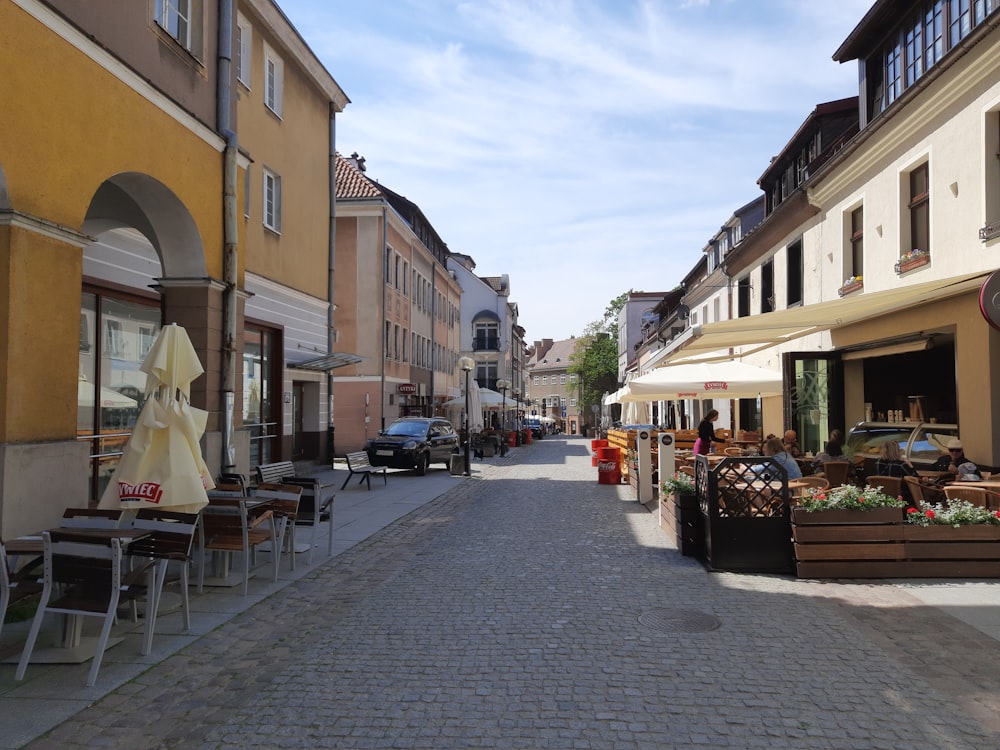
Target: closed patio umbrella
(162, 465)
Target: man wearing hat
(955, 458)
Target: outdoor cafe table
(72, 647)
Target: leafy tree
(595, 359)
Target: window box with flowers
(911, 260)
(851, 284)
(836, 540)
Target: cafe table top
(33, 544)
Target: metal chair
(170, 539)
(17, 583)
(85, 574)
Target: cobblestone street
(531, 607)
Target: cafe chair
(916, 488)
(799, 487)
(227, 525)
(733, 451)
(892, 486)
(17, 583)
(85, 576)
(974, 495)
(171, 535)
(837, 472)
(284, 502)
(91, 518)
(315, 507)
(228, 489)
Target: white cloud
(581, 147)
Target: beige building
(552, 390)
(398, 307)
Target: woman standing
(706, 434)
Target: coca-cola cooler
(609, 466)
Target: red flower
(929, 514)
(911, 510)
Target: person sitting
(832, 451)
(955, 458)
(791, 441)
(776, 449)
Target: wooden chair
(687, 470)
(91, 518)
(974, 495)
(283, 502)
(227, 526)
(16, 583)
(85, 575)
(170, 540)
(837, 472)
(733, 451)
(315, 506)
(230, 489)
(892, 486)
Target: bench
(274, 473)
(357, 463)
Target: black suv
(413, 443)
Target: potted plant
(912, 259)
(953, 520)
(680, 515)
(851, 284)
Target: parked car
(413, 443)
(922, 443)
(536, 427)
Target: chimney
(358, 161)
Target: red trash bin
(512, 438)
(594, 445)
(609, 468)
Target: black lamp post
(502, 386)
(466, 365)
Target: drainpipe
(331, 333)
(230, 256)
(385, 315)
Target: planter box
(850, 288)
(902, 266)
(877, 544)
(681, 519)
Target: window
(406, 274)
(395, 343)
(537, 380)
(388, 340)
(545, 379)
(486, 375)
(857, 254)
(572, 402)
(486, 336)
(572, 378)
(388, 265)
(919, 207)
(242, 50)
(114, 341)
(767, 287)
(793, 288)
(743, 297)
(273, 80)
(246, 193)
(147, 335)
(991, 173)
(174, 16)
(562, 380)
(272, 200)
(406, 336)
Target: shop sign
(406, 388)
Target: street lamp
(502, 386)
(466, 365)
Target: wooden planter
(878, 544)
(850, 288)
(903, 266)
(681, 519)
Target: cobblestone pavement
(531, 607)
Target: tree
(595, 359)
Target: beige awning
(763, 331)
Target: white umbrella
(162, 465)
(107, 398)
(475, 407)
(635, 412)
(491, 400)
(704, 380)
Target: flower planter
(878, 544)
(908, 264)
(681, 519)
(850, 288)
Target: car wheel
(422, 463)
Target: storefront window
(115, 336)
(259, 413)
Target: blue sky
(584, 147)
